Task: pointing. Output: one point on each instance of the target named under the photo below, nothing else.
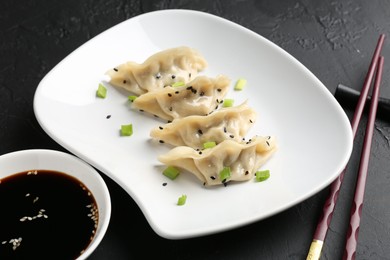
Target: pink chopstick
(327, 212)
(353, 231)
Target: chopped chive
(207, 145)
(101, 91)
(131, 98)
(182, 200)
(262, 175)
(171, 172)
(240, 84)
(228, 102)
(178, 84)
(224, 174)
(127, 130)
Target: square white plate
(314, 134)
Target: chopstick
(353, 231)
(327, 211)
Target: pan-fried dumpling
(226, 123)
(244, 159)
(201, 96)
(180, 64)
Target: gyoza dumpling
(244, 159)
(226, 123)
(180, 64)
(199, 97)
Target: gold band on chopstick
(315, 250)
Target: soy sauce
(45, 215)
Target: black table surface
(333, 39)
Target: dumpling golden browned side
(201, 96)
(181, 64)
(243, 159)
(226, 123)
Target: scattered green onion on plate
(171, 172)
(101, 91)
(262, 175)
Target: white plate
(314, 134)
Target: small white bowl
(25, 160)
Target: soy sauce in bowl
(45, 215)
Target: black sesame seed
(200, 152)
(216, 107)
(170, 108)
(267, 143)
(115, 69)
(124, 81)
(155, 116)
(219, 90)
(176, 92)
(224, 180)
(173, 76)
(161, 128)
(189, 88)
(164, 184)
(204, 184)
(200, 132)
(158, 76)
(194, 90)
(246, 172)
(108, 116)
(217, 100)
(189, 75)
(169, 95)
(269, 137)
(141, 110)
(231, 136)
(225, 184)
(212, 177)
(197, 149)
(224, 130)
(161, 141)
(169, 121)
(201, 94)
(250, 120)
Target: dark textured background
(333, 39)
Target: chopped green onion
(171, 172)
(178, 84)
(224, 174)
(262, 175)
(182, 200)
(240, 84)
(101, 91)
(127, 130)
(207, 145)
(228, 102)
(132, 98)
